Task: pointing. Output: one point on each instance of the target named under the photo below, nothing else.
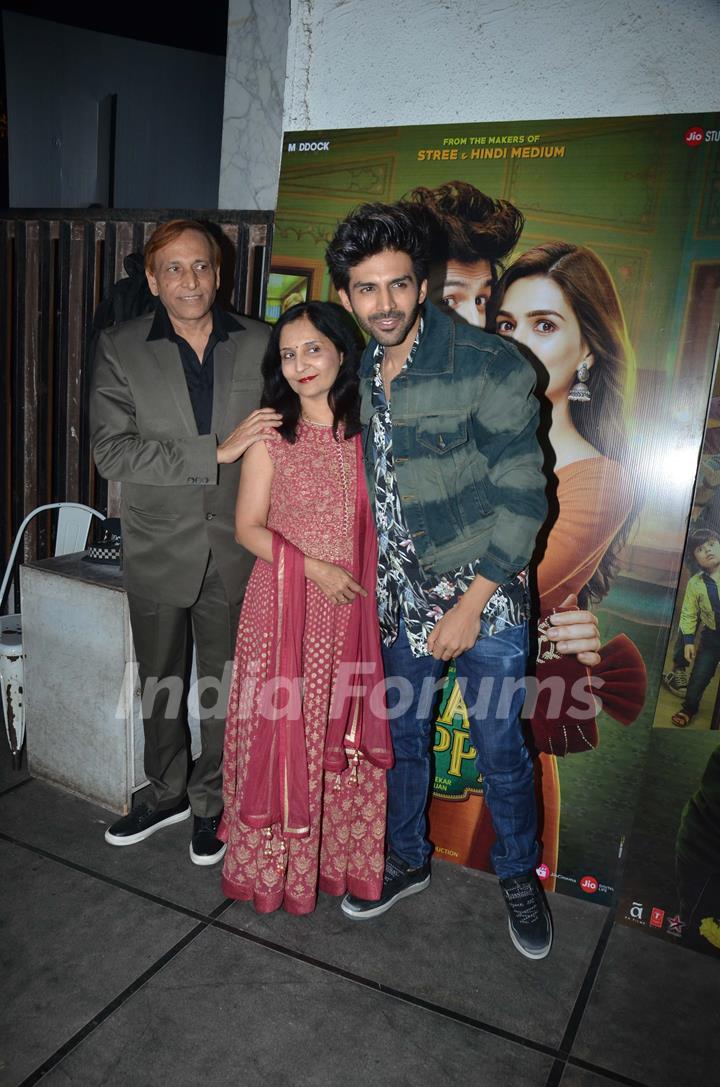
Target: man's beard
(389, 337)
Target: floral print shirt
(403, 590)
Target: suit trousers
(161, 635)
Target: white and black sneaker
(676, 681)
(143, 821)
(399, 881)
(528, 916)
(206, 847)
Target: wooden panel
(124, 246)
(91, 493)
(7, 243)
(61, 347)
(45, 392)
(75, 359)
(29, 378)
(259, 267)
(55, 268)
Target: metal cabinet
(82, 698)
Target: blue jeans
(502, 758)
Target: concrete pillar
(253, 113)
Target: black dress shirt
(198, 375)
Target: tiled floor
(127, 967)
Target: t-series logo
(307, 145)
(657, 917)
(696, 135)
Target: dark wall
(168, 119)
(3, 127)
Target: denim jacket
(465, 448)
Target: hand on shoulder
(257, 426)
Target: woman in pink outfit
(306, 740)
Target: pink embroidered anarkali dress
(314, 503)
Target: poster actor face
(463, 289)
(469, 236)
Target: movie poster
(634, 204)
(671, 886)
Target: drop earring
(580, 390)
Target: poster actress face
(536, 312)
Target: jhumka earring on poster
(580, 390)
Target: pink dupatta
(276, 788)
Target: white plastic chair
(71, 536)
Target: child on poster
(701, 605)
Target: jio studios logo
(696, 136)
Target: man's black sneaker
(205, 847)
(144, 821)
(399, 881)
(528, 916)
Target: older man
(169, 392)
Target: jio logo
(694, 136)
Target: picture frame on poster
(289, 284)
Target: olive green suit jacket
(177, 502)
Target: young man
(454, 468)
(168, 393)
(701, 605)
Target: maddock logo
(309, 145)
